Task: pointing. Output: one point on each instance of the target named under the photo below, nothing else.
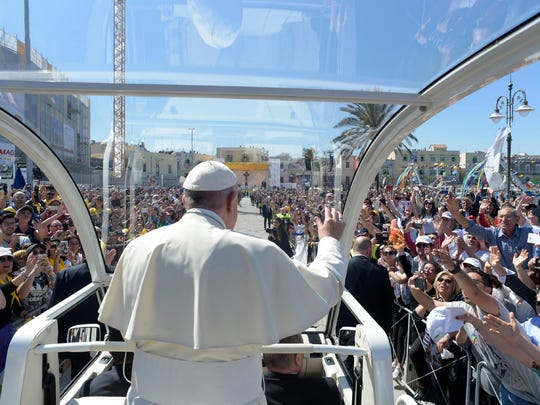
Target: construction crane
(119, 102)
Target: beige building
(433, 164)
(143, 167)
(250, 164)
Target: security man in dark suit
(369, 283)
(283, 385)
(68, 282)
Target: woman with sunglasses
(448, 376)
(394, 259)
(13, 290)
(514, 381)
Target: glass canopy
(145, 89)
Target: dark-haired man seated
(114, 382)
(283, 386)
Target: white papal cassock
(199, 301)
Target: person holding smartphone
(37, 263)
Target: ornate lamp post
(191, 151)
(246, 175)
(518, 96)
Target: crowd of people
(432, 248)
(424, 248)
(475, 253)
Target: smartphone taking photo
(420, 283)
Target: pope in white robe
(199, 299)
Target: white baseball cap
(473, 262)
(210, 176)
(5, 252)
(423, 239)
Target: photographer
(10, 239)
(37, 263)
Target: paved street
(249, 219)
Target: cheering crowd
(475, 257)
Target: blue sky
(465, 126)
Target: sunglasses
(428, 203)
(6, 259)
(38, 252)
(446, 281)
(423, 245)
(389, 253)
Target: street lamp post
(191, 151)
(507, 102)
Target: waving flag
(493, 161)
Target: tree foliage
(361, 126)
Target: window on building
(442, 159)
(144, 167)
(453, 159)
(228, 158)
(537, 168)
(432, 159)
(347, 165)
(527, 168)
(169, 169)
(422, 158)
(404, 158)
(475, 160)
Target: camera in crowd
(420, 283)
(382, 237)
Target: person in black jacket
(283, 386)
(68, 282)
(369, 283)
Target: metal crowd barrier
(473, 370)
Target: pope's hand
(332, 226)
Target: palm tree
(362, 126)
(309, 155)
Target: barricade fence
(409, 378)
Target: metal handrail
(129, 347)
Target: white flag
(493, 161)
